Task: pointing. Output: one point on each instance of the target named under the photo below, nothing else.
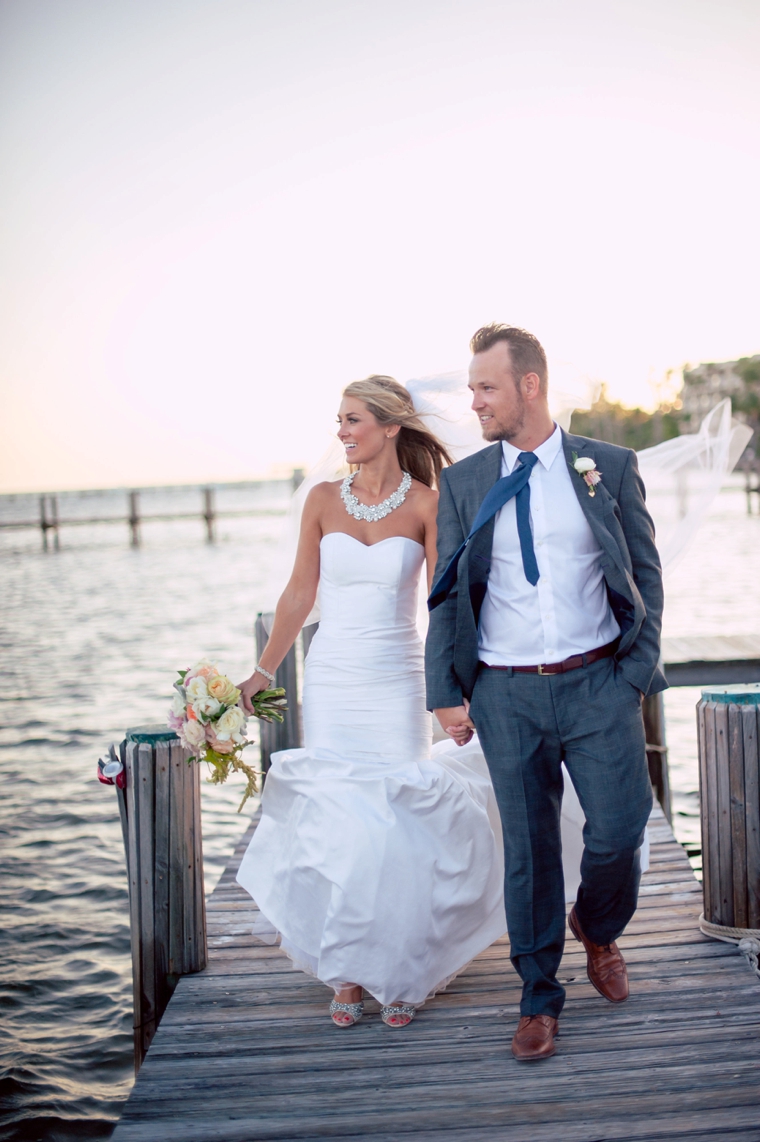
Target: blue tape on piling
(738, 694)
(149, 735)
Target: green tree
(748, 404)
(629, 427)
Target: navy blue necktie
(516, 484)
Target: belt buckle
(547, 673)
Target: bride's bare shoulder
(320, 499)
(324, 492)
(426, 498)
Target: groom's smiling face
(497, 397)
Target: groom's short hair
(525, 351)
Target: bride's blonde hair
(420, 452)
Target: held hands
(456, 722)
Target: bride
(378, 860)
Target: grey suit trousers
(591, 719)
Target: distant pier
(49, 522)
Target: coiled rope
(747, 939)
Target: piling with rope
(728, 728)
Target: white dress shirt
(567, 612)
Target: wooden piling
(653, 710)
(49, 521)
(44, 522)
(134, 519)
(287, 734)
(728, 725)
(161, 819)
(209, 514)
(752, 488)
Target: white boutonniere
(586, 469)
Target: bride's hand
(456, 722)
(253, 685)
(461, 734)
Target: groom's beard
(508, 429)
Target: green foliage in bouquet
(268, 706)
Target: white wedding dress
(378, 859)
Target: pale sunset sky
(214, 214)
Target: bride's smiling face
(361, 433)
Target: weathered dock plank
(245, 1051)
(701, 660)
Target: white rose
(206, 708)
(229, 726)
(197, 688)
(178, 705)
(584, 464)
(193, 735)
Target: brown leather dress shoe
(604, 963)
(534, 1038)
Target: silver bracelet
(269, 677)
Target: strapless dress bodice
(368, 589)
(364, 686)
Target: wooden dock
(245, 1051)
(720, 660)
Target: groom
(544, 635)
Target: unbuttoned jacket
(623, 527)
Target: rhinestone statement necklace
(372, 513)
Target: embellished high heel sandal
(353, 1010)
(397, 1014)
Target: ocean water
(91, 636)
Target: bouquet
(209, 720)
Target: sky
(214, 214)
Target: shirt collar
(546, 452)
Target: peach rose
(222, 689)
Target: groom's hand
(456, 722)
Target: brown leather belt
(574, 662)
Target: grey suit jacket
(623, 527)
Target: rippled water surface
(91, 636)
